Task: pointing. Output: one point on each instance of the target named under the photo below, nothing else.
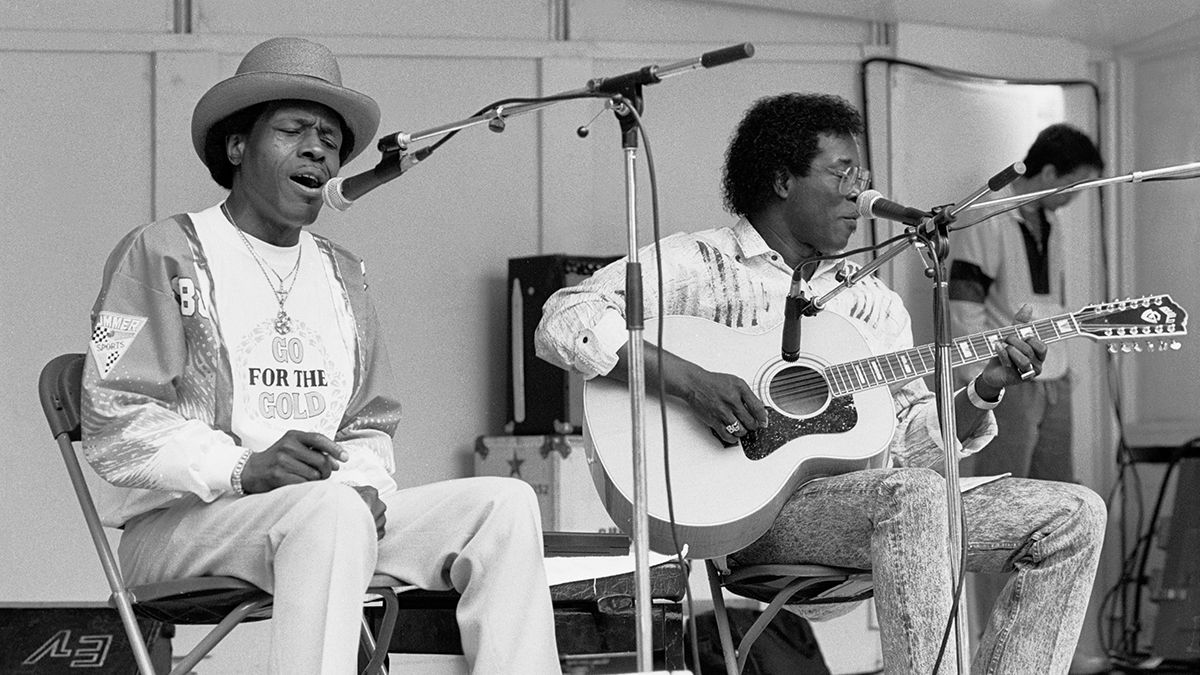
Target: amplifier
(58, 637)
(542, 398)
(1177, 623)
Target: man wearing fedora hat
(238, 398)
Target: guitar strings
(817, 384)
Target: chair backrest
(59, 388)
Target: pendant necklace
(283, 322)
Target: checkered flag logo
(111, 337)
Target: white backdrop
(957, 133)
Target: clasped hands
(301, 457)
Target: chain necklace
(283, 322)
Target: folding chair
(205, 600)
(778, 586)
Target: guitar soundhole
(799, 391)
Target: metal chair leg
(727, 649)
(141, 655)
(218, 633)
(377, 645)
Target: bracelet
(235, 478)
(978, 401)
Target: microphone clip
(935, 232)
(797, 305)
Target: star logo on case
(111, 337)
(514, 466)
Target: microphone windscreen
(866, 199)
(332, 194)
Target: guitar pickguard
(839, 417)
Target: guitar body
(825, 418)
(727, 497)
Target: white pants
(314, 547)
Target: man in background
(1017, 259)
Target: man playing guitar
(792, 174)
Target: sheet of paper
(968, 483)
(576, 568)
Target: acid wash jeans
(1046, 535)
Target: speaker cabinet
(1177, 626)
(542, 398)
(65, 637)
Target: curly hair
(780, 133)
(242, 123)
(1065, 148)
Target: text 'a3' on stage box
(556, 467)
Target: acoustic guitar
(829, 412)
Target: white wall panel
(437, 242)
(1166, 232)
(502, 19)
(97, 16)
(662, 21)
(77, 176)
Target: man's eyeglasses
(853, 179)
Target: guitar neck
(876, 371)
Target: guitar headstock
(1154, 320)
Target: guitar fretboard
(855, 376)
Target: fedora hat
(287, 68)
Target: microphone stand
(1189, 170)
(936, 254)
(939, 229)
(625, 97)
(634, 311)
(936, 231)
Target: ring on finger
(734, 427)
(1029, 374)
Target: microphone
(339, 193)
(872, 204)
(653, 74)
(796, 306)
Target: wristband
(235, 478)
(977, 400)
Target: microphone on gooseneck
(340, 193)
(872, 204)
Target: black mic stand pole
(936, 231)
(1189, 170)
(936, 254)
(625, 95)
(600, 87)
(634, 311)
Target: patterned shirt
(158, 386)
(731, 276)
